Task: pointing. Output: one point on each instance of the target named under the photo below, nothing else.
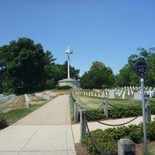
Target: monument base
(69, 82)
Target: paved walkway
(46, 131)
(95, 125)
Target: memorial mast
(69, 52)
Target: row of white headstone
(96, 94)
(115, 93)
(129, 88)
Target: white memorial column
(68, 52)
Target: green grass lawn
(15, 115)
(89, 102)
(15, 109)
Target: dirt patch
(82, 150)
(139, 148)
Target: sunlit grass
(15, 115)
(89, 102)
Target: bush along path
(116, 112)
(106, 140)
(3, 122)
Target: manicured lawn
(89, 102)
(15, 115)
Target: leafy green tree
(59, 72)
(98, 76)
(97, 66)
(23, 64)
(50, 84)
(127, 75)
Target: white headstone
(111, 94)
(102, 94)
(123, 95)
(137, 96)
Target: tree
(127, 75)
(96, 66)
(98, 76)
(23, 64)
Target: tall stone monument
(70, 82)
(69, 52)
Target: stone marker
(111, 94)
(126, 147)
(137, 96)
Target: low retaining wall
(44, 96)
(6, 98)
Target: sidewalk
(46, 131)
(95, 125)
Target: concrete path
(46, 131)
(95, 125)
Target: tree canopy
(127, 75)
(98, 76)
(25, 65)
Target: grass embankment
(15, 109)
(15, 115)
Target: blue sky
(108, 31)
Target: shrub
(11, 91)
(63, 87)
(103, 140)
(124, 111)
(93, 115)
(3, 122)
(107, 139)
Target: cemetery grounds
(94, 102)
(86, 102)
(15, 108)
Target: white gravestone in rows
(137, 96)
(111, 94)
(123, 95)
(119, 93)
(102, 94)
(89, 93)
